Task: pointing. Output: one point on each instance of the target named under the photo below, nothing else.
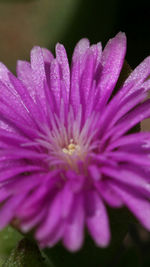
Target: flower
(66, 146)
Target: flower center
(71, 148)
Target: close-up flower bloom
(66, 146)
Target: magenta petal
(132, 157)
(112, 61)
(130, 139)
(132, 118)
(109, 195)
(47, 55)
(4, 194)
(95, 172)
(139, 75)
(97, 53)
(31, 222)
(75, 90)
(54, 237)
(140, 207)
(38, 74)
(52, 219)
(37, 64)
(74, 229)
(7, 211)
(55, 81)
(97, 220)
(80, 50)
(62, 59)
(24, 72)
(4, 77)
(66, 201)
(128, 104)
(87, 78)
(20, 170)
(128, 177)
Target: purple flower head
(66, 147)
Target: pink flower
(66, 150)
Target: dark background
(24, 23)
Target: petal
(138, 114)
(139, 75)
(66, 201)
(87, 78)
(126, 176)
(24, 184)
(24, 73)
(109, 195)
(47, 55)
(54, 236)
(140, 207)
(97, 53)
(38, 72)
(131, 157)
(127, 105)
(7, 211)
(62, 59)
(53, 217)
(33, 221)
(17, 170)
(4, 73)
(75, 88)
(97, 220)
(80, 50)
(55, 81)
(94, 172)
(4, 194)
(136, 138)
(74, 228)
(112, 61)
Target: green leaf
(27, 254)
(8, 240)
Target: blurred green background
(25, 23)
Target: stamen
(71, 148)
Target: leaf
(8, 240)
(26, 254)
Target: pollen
(71, 148)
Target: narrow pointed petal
(140, 74)
(74, 230)
(109, 195)
(7, 211)
(62, 59)
(52, 219)
(55, 81)
(140, 207)
(80, 50)
(38, 74)
(47, 55)
(112, 62)
(97, 220)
